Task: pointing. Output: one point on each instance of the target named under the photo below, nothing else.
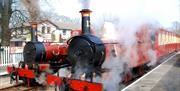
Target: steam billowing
(134, 44)
(111, 80)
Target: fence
(8, 58)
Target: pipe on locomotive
(85, 21)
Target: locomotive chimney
(34, 31)
(85, 21)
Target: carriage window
(159, 38)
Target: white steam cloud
(134, 45)
(112, 79)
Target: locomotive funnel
(34, 31)
(85, 21)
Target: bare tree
(11, 18)
(176, 27)
(5, 8)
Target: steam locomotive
(84, 51)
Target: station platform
(165, 77)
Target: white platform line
(149, 72)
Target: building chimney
(85, 21)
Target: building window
(64, 32)
(43, 29)
(48, 29)
(18, 44)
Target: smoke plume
(85, 4)
(33, 8)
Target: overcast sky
(164, 11)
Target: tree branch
(19, 12)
